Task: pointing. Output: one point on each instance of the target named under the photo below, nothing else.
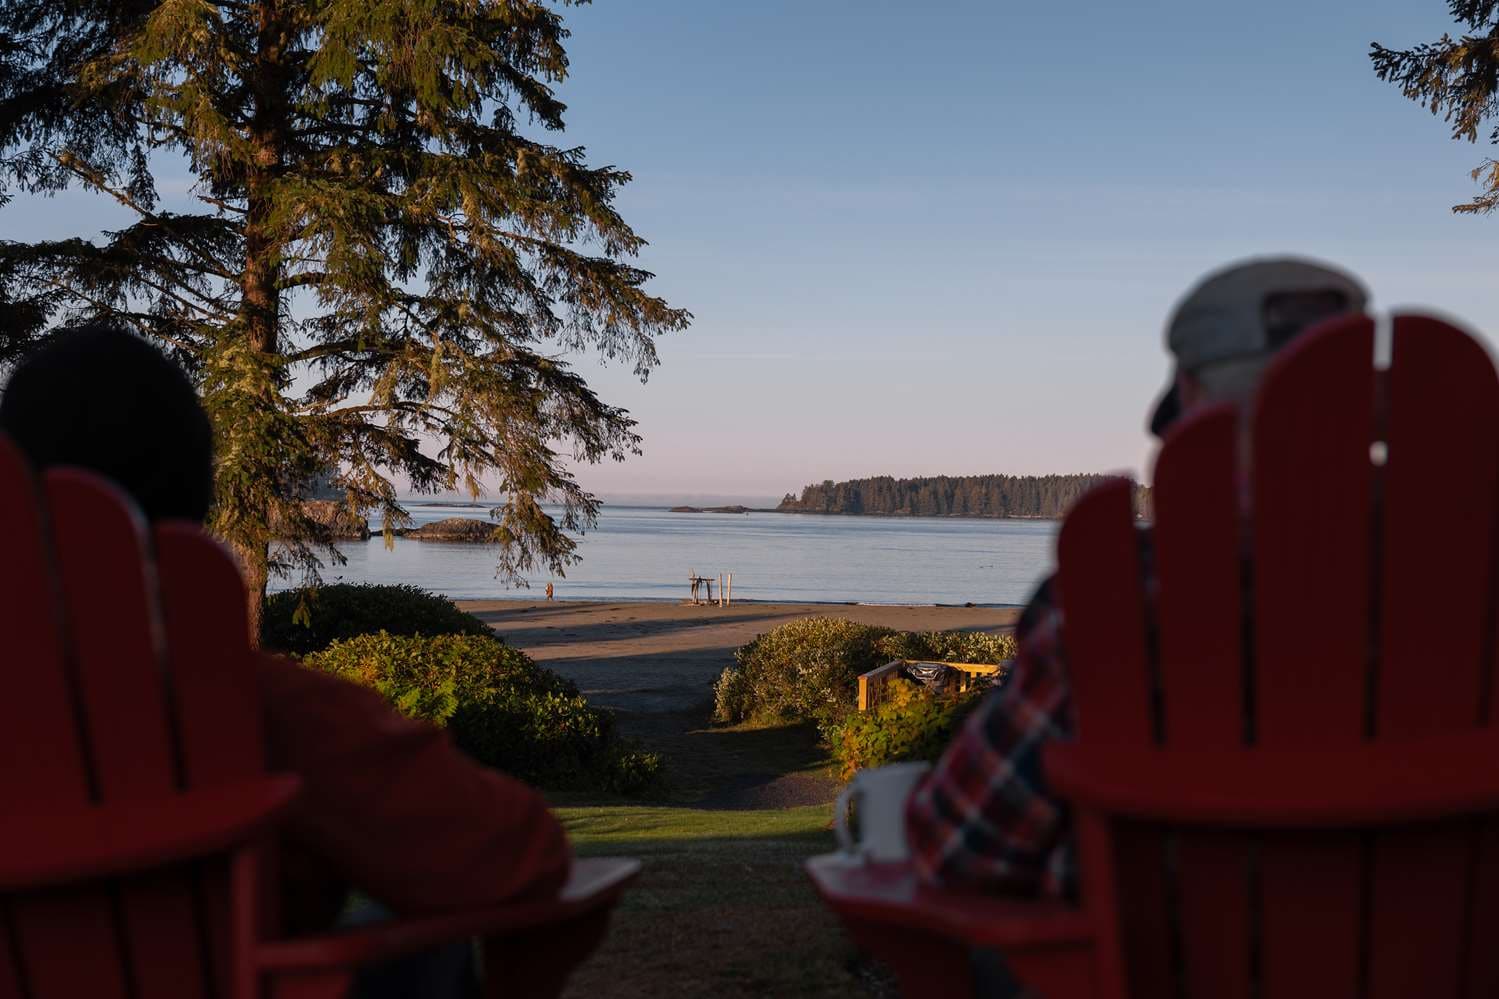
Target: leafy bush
(306, 620)
(500, 707)
(733, 699)
(803, 669)
(948, 646)
(809, 669)
(909, 723)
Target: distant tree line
(1041, 496)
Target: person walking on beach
(984, 816)
(549, 591)
(389, 806)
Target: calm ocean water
(639, 553)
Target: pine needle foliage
(1457, 78)
(385, 264)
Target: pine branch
(106, 310)
(211, 309)
(95, 178)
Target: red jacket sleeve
(394, 810)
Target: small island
(463, 529)
(714, 509)
(1028, 497)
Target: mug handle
(846, 797)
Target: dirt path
(664, 657)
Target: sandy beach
(650, 657)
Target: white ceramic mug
(881, 794)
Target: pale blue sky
(942, 237)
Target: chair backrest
(1353, 610)
(128, 702)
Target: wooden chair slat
(162, 931)
(1200, 639)
(1215, 914)
(112, 614)
(1491, 665)
(37, 714)
(1419, 888)
(40, 722)
(1442, 425)
(1098, 556)
(212, 671)
(1144, 913)
(11, 984)
(1311, 884)
(211, 666)
(110, 601)
(1480, 955)
(69, 946)
(1199, 559)
(1312, 502)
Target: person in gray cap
(1225, 330)
(984, 817)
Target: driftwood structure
(699, 584)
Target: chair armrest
(99, 841)
(1377, 783)
(595, 883)
(893, 895)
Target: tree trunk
(260, 295)
(252, 567)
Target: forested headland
(1034, 496)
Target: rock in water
(455, 529)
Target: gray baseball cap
(1226, 329)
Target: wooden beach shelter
(138, 813)
(1286, 779)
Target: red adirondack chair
(137, 808)
(1319, 818)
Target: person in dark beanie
(99, 398)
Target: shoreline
(724, 512)
(530, 598)
(650, 656)
(760, 602)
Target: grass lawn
(604, 828)
(722, 907)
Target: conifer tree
(384, 261)
(1458, 79)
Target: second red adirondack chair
(1286, 776)
(137, 808)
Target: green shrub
(802, 670)
(909, 723)
(632, 769)
(809, 669)
(301, 621)
(732, 698)
(500, 707)
(948, 646)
